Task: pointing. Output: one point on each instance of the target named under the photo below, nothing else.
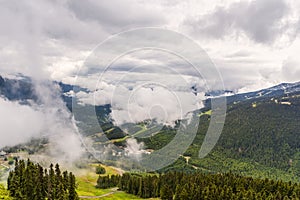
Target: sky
(253, 44)
(147, 59)
(246, 44)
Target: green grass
(117, 140)
(86, 186)
(120, 195)
(143, 129)
(4, 194)
(205, 113)
(87, 181)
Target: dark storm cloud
(259, 20)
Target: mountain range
(260, 138)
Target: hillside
(261, 135)
(260, 138)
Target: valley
(260, 139)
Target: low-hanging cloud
(144, 103)
(19, 123)
(133, 149)
(46, 117)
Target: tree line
(266, 134)
(196, 186)
(29, 181)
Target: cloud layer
(262, 21)
(253, 43)
(51, 39)
(46, 118)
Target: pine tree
(177, 192)
(72, 187)
(40, 188)
(166, 193)
(30, 181)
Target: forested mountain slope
(261, 135)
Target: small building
(3, 153)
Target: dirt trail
(114, 190)
(119, 170)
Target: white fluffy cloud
(51, 39)
(19, 123)
(49, 119)
(262, 21)
(253, 44)
(165, 99)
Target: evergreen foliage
(259, 141)
(195, 186)
(104, 182)
(100, 170)
(29, 181)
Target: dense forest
(260, 138)
(195, 186)
(266, 131)
(29, 181)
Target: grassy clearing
(120, 195)
(87, 180)
(118, 140)
(205, 113)
(4, 194)
(144, 128)
(86, 186)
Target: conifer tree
(166, 193)
(30, 181)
